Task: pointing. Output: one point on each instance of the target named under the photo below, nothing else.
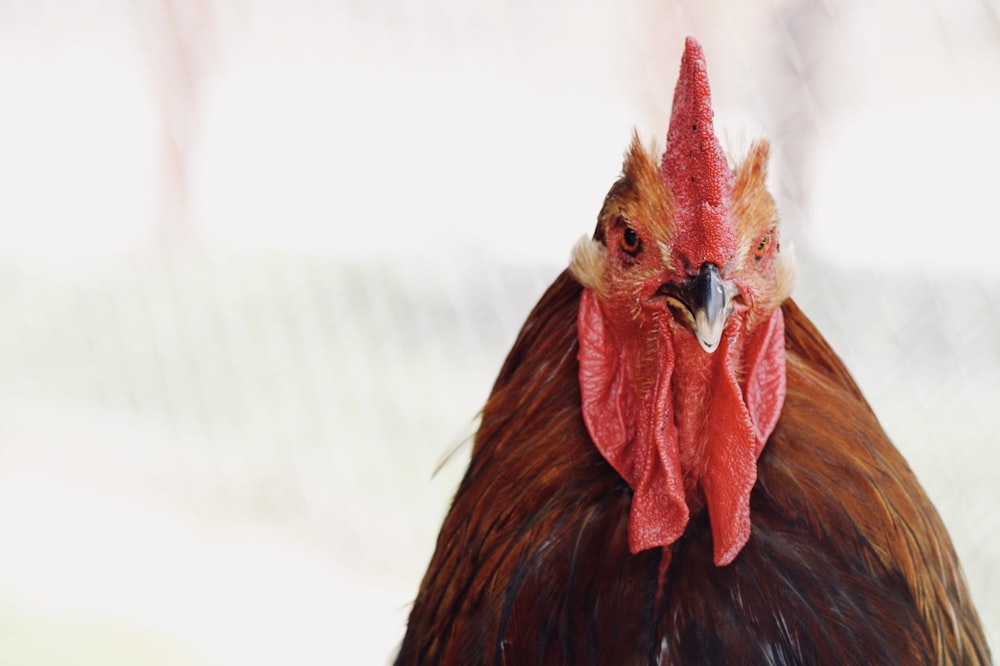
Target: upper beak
(707, 302)
(712, 303)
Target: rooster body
(584, 534)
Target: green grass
(31, 640)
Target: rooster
(674, 467)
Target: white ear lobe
(586, 263)
(786, 273)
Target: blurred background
(260, 262)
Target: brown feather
(848, 562)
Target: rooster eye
(763, 246)
(630, 241)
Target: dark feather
(848, 562)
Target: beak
(704, 303)
(712, 303)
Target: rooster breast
(847, 562)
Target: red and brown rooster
(675, 468)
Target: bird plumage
(848, 562)
(843, 559)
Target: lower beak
(711, 302)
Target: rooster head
(682, 366)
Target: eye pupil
(764, 244)
(630, 241)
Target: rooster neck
(696, 379)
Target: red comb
(695, 168)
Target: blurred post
(181, 42)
